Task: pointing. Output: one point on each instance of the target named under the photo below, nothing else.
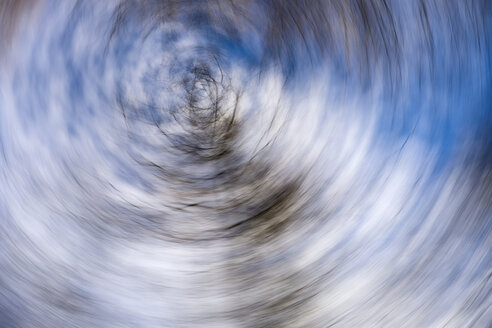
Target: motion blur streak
(179, 163)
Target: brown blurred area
(10, 13)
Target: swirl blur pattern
(178, 163)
